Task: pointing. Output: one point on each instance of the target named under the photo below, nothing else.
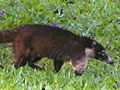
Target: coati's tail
(7, 36)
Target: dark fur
(33, 42)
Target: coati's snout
(110, 61)
(101, 54)
(105, 58)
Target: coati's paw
(79, 71)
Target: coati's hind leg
(21, 60)
(22, 54)
(57, 65)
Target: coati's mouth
(110, 61)
(106, 61)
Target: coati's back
(34, 30)
(44, 38)
(53, 34)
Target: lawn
(97, 19)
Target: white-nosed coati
(33, 42)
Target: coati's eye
(103, 52)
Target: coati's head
(100, 53)
(88, 48)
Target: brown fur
(33, 42)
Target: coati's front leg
(79, 66)
(57, 65)
(22, 60)
(22, 53)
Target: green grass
(99, 17)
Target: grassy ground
(99, 18)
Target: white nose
(111, 61)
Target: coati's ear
(93, 44)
